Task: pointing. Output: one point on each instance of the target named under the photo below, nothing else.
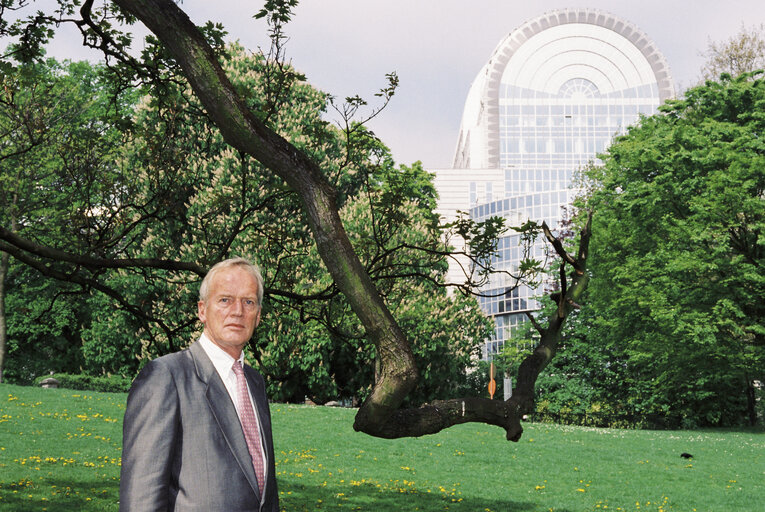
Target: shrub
(111, 383)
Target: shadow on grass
(297, 498)
(57, 495)
(67, 496)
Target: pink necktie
(249, 424)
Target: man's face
(231, 311)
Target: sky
(436, 47)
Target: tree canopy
(741, 53)
(168, 205)
(58, 127)
(287, 167)
(680, 256)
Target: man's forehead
(234, 280)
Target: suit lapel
(223, 410)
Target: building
(552, 97)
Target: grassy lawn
(60, 451)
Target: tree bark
(751, 402)
(4, 263)
(5, 260)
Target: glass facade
(554, 95)
(557, 133)
(544, 139)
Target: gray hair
(252, 268)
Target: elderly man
(197, 430)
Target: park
(626, 328)
(61, 452)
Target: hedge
(113, 383)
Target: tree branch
(438, 415)
(90, 262)
(558, 245)
(242, 130)
(539, 328)
(76, 278)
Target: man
(197, 430)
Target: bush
(112, 383)
(604, 415)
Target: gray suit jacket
(183, 445)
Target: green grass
(60, 451)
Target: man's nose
(238, 308)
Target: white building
(552, 96)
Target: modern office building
(552, 96)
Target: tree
(44, 320)
(186, 53)
(389, 223)
(742, 53)
(680, 254)
(57, 128)
(176, 204)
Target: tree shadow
(297, 497)
(62, 496)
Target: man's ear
(201, 311)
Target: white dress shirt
(223, 364)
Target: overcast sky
(345, 47)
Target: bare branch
(558, 245)
(541, 330)
(563, 287)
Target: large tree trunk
(242, 130)
(751, 402)
(4, 263)
(433, 417)
(5, 260)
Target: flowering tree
(180, 51)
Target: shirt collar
(221, 360)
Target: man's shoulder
(173, 359)
(165, 370)
(169, 365)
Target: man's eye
(225, 299)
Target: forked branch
(436, 416)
